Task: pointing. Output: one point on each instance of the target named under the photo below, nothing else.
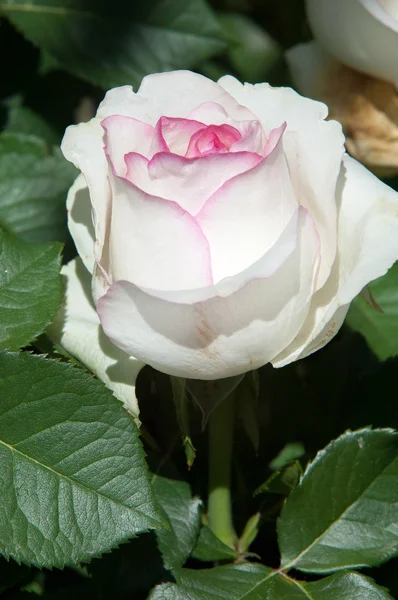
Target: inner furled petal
(176, 133)
(123, 135)
(212, 139)
(253, 138)
(189, 182)
(246, 216)
(155, 243)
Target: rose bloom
(362, 34)
(352, 67)
(222, 226)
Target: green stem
(221, 433)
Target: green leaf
(22, 119)
(74, 481)
(255, 582)
(352, 586)
(30, 289)
(33, 188)
(118, 43)
(379, 329)
(233, 582)
(283, 481)
(253, 52)
(209, 548)
(344, 511)
(183, 512)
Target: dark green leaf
(254, 582)
(253, 52)
(209, 548)
(118, 43)
(183, 512)
(245, 581)
(283, 481)
(22, 119)
(379, 329)
(344, 511)
(30, 289)
(33, 188)
(247, 407)
(74, 479)
(350, 586)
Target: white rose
(224, 228)
(360, 33)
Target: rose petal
(154, 242)
(222, 336)
(245, 217)
(123, 135)
(359, 33)
(82, 145)
(367, 247)
(313, 148)
(189, 182)
(171, 94)
(80, 221)
(177, 133)
(77, 329)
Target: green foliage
(33, 187)
(183, 513)
(209, 548)
(116, 43)
(379, 329)
(30, 289)
(74, 482)
(346, 503)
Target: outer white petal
(83, 146)
(367, 248)
(171, 94)
(80, 221)
(360, 33)
(313, 148)
(77, 329)
(221, 336)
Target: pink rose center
(213, 139)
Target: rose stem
(221, 434)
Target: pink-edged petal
(367, 248)
(80, 221)
(78, 330)
(83, 146)
(222, 336)
(245, 217)
(274, 138)
(212, 139)
(123, 135)
(176, 133)
(314, 149)
(252, 139)
(154, 242)
(189, 182)
(265, 267)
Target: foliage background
(58, 58)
